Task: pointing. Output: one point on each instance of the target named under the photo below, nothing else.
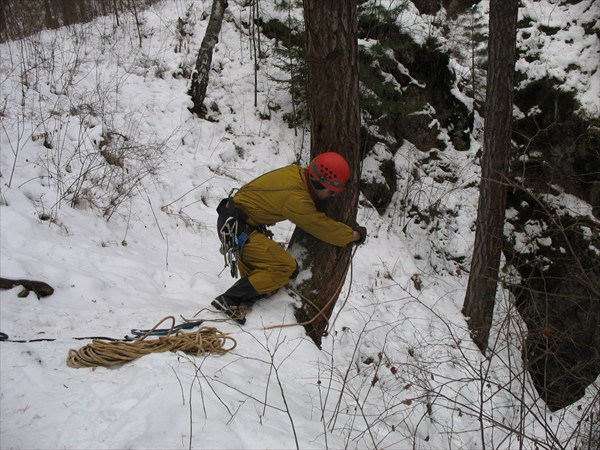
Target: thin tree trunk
(481, 290)
(333, 105)
(116, 8)
(204, 60)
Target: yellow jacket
(283, 194)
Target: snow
(564, 51)
(398, 368)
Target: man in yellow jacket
(288, 193)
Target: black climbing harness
(234, 232)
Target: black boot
(236, 300)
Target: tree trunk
(481, 290)
(204, 60)
(333, 106)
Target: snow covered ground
(398, 369)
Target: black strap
(5, 338)
(135, 332)
(166, 331)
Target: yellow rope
(321, 311)
(114, 353)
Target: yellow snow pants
(266, 264)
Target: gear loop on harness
(233, 231)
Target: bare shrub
(94, 153)
(425, 381)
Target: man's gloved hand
(363, 234)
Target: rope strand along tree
(333, 105)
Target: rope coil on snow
(114, 353)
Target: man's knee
(289, 266)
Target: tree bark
(204, 60)
(333, 106)
(481, 289)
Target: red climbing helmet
(331, 170)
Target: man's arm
(302, 212)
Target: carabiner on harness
(233, 232)
(229, 247)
